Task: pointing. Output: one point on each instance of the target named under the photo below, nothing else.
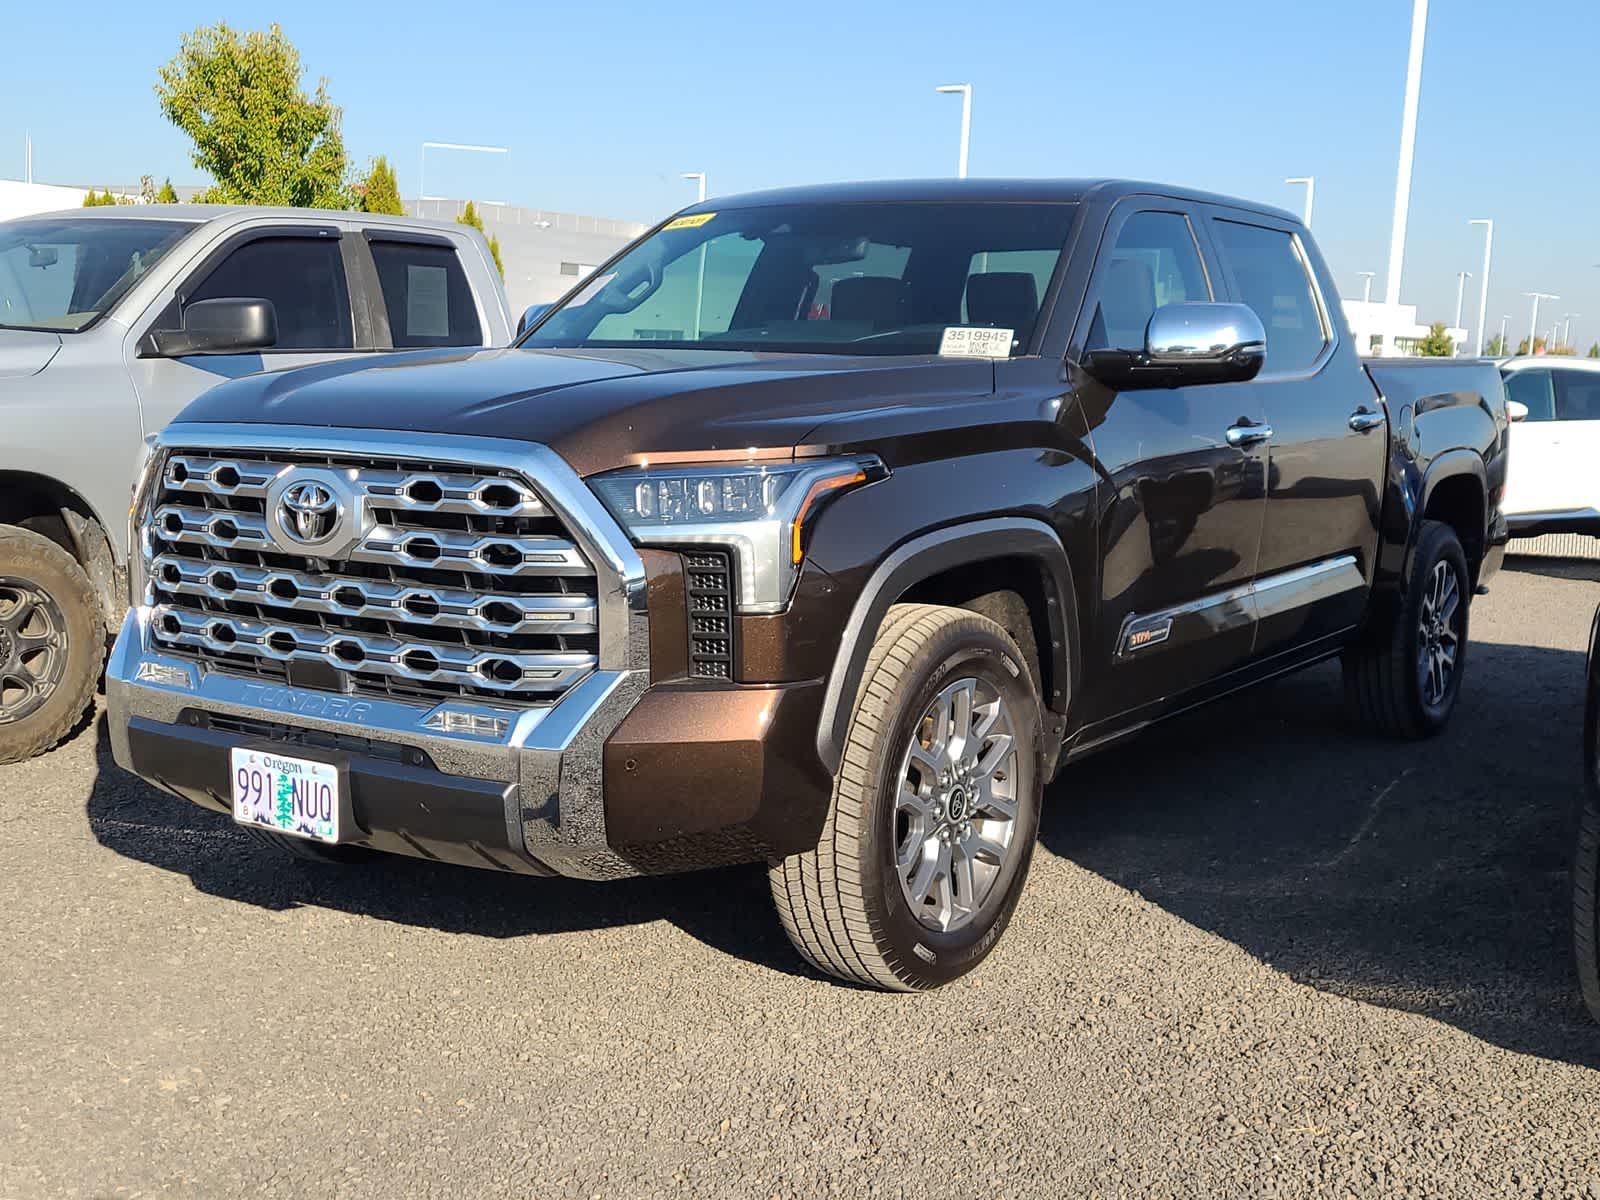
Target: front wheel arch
(924, 557)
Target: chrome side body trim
(552, 751)
(1183, 624)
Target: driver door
(1184, 494)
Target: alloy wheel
(33, 648)
(1439, 630)
(955, 812)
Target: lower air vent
(708, 578)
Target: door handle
(1248, 435)
(1363, 421)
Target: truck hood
(599, 409)
(25, 352)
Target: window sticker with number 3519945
(969, 341)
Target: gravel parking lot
(1258, 955)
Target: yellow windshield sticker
(693, 222)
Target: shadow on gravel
(1427, 877)
(729, 910)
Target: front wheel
(934, 811)
(1406, 680)
(52, 643)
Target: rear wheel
(1586, 865)
(934, 813)
(52, 643)
(1405, 681)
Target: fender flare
(923, 557)
(1451, 464)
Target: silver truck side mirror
(1516, 410)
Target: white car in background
(1552, 484)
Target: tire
(1389, 686)
(1586, 863)
(846, 906)
(309, 851)
(52, 643)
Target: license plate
(289, 795)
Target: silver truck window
(304, 279)
(62, 273)
(426, 295)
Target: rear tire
(52, 643)
(1405, 680)
(1586, 863)
(309, 851)
(934, 813)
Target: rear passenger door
(305, 271)
(1182, 500)
(1329, 440)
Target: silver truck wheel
(52, 643)
(934, 812)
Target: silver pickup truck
(111, 321)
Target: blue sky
(602, 105)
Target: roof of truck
(1014, 191)
(195, 214)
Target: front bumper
(613, 779)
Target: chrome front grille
(457, 582)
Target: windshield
(61, 273)
(864, 278)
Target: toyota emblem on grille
(316, 511)
(310, 511)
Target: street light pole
(1408, 147)
(422, 163)
(699, 177)
(1505, 346)
(1461, 285)
(965, 90)
(1533, 328)
(1366, 285)
(1483, 292)
(1311, 193)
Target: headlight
(759, 510)
(151, 462)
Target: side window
(1274, 278)
(1534, 389)
(1154, 262)
(304, 279)
(426, 295)
(1577, 395)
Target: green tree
(1496, 347)
(255, 131)
(168, 194)
(1594, 350)
(1437, 344)
(1538, 346)
(380, 191)
(469, 216)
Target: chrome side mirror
(1207, 343)
(1516, 410)
(1188, 344)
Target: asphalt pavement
(1259, 955)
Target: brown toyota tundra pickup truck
(820, 528)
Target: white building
(1391, 331)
